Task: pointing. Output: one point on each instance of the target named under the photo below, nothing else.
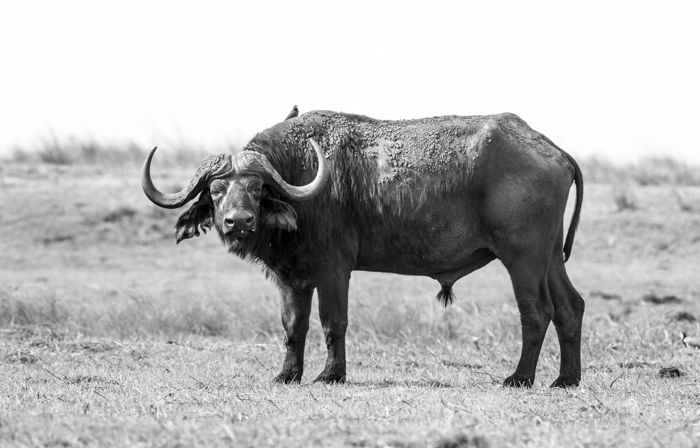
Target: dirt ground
(111, 335)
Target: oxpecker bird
(293, 113)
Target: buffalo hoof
(518, 381)
(566, 381)
(330, 378)
(288, 377)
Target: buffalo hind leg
(333, 312)
(529, 278)
(296, 308)
(568, 317)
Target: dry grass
(74, 151)
(624, 198)
(110, 335)
(648, 171)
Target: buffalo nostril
(239, 220)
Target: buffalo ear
(276, 213)
(199, 215)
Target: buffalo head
(238, 194)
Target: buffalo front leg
(296, 307)
(333, 312)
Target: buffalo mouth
(236, 237)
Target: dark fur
(278, 214)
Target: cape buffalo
(322, 194)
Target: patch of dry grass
(209, 391)
(647, 171)
(73, 151)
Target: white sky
(621, 80)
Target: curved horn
(210, 168)
(310, 190)
(254, 161)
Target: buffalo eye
(255, 189)
(217, 189)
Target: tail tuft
(445, 296)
